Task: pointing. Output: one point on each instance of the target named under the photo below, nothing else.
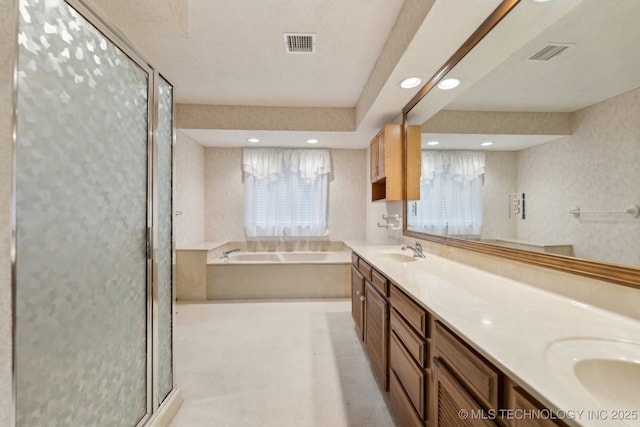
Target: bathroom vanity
(454, 345)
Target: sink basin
(397, 256)
(608, 370)
(612, 383)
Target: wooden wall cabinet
(387, 163)
(377, 154)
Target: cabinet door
(381, 155)
(376, 319)
(374, 158)
(357, 300)
(455, 407)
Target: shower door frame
(104, 24)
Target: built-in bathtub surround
(189, 190)
(8, 17)
(263, 270)
(224, 190)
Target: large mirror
(554, 86)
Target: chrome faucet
(225, 254)
(416, 248)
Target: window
(286, 192)
(450, 194)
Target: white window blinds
(286, 192)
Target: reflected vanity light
(447, 84)
(487, 143)
(410, 82)
(433, 143)
(253, 140)
(312, 141)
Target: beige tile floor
(279, 363)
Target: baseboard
(167, 410)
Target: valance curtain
(286, 192)
(450, 193)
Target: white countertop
(521, 329)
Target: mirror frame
(614, 273)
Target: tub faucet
(225, 254)
(416, 248)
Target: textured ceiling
(231, 53)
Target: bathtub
(279, 274)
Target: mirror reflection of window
(450, 194)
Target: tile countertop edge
(513, 330)
(206, 246)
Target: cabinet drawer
(354, 259)
(518, 399)
(476, 373)
(409, 310)
(452, 399)
(365, 269)
(414, 344)
(400, 404)
(380, 282)
(411, 376)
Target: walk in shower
(93, 272)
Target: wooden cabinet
(518, 403)
(433, 376)
(480, 377)
(357, 300)
(454, 406)
(409, 363)
(388, 165)
(370, 311)
(376, 338)
(377, 154)
(385, 152)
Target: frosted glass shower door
(164, 149)
(81, 208)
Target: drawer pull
(362, 298)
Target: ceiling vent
(300, 43)
(550, 51)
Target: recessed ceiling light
(253, 140)
(486, 144)
(433, 143)
(312, 141)
(410, 82)
(447, 84)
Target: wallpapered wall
(500, 179)
(7, 46)
(596, 168)
(224, 192)
(188, 190)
